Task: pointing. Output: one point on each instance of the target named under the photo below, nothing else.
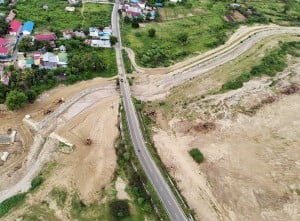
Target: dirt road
(162, 83)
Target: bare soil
(251, 168)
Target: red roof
(45, 37)
(3, 50)
(3, 41)
(15, 26)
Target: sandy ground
(120, 187)
(88, 168)
(252, 167)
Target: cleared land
(249, 138)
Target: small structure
(69, 9)
(29, 62)
(94, 32)
(45, 37)
(73, 2)
(11, 16)
(37, 58)
(88, 141)
(4, 140)
(97, 43)
(15, 27)
(4, 156)
(27, 28)
(62, 48)
(79, 34)
(45, 7)
(68, 34)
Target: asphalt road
(161, 187)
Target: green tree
(3, 26)
(113, 40)
(183, 38)
(127, 19)
(119, 209)
(15, 100)
(151, 32)
(135, 24)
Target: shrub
(119, 209)
(36, 182)
(151, 32)
(196, 155)
(11, 202)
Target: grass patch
(11, 203)
(196, 155)
(204, 32)
(57, 19)
(128, 66)
(60, 195)
(272, 63)
(39, 212)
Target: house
(15, 27)
(45, 37)
(3, 51)
(100, 43)
(68, 34)
(3, 42)
(37, 58)
(11, 16)
(62, 59)
(94, 32)
(79, 34)
(69, 9)
(49, 60)
(27, 28)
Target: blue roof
(134, 1)
(28, 26)
(159, 4)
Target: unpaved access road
(162, 83)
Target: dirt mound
(204, 127)
(290, 89)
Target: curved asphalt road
(161, 187)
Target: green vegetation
(151, 32)
(147, 122)
(56, 18)
(85, 63)
(10, 203)
(143, 202)
(204, 24)
(97, 15)
(15, 100)
(119, 209)
(39, 212)
(3, 26)
(60, 196)
(36, 182)
(196, 155)
(272, 63)
(127, 62)
(203, 33)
